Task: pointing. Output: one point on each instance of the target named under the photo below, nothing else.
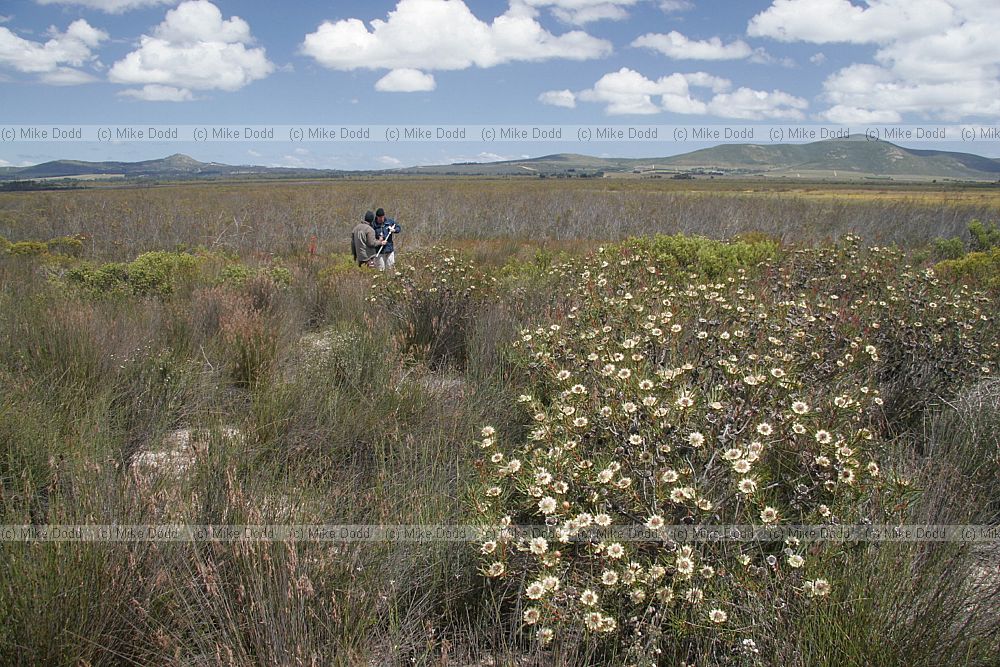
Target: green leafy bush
(65, 245)
(952, 248)
(983, 237)
(976, 268)
(239, 275)
(150, 273)
(280, 275)
(28, 248)
(698, 254)
(236, 274)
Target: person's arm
(396, 229)
(372, 240)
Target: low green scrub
(983, 236)
(696, 254)
(65, 245)
(239, 275)
(28, 248)
(157, 272)
(980, 269)
(70, 246)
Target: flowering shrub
(433, 304)
(753, 397)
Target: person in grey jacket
(364, 242)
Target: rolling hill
(176, 166)
(839, 159)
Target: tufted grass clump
(664, 398)
(433, 308)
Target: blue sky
(105, 62)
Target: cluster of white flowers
(671, 402)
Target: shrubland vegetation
(172, 357)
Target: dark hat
(369, 217)
(380, 213)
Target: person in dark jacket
(385, 229)
(365, 245)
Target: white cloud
(558, 98)
(881, 91)
(671, 6)
(750, 104)
(4, 163)
(192, 49)
(67, 76)
(389, 161)
(824, 21)
(6, 19)
(933, 59)
(848, 115)
(444, 35)
(817, 58)
(109, 6)
(405, 80)
(53, 59)
(484, 156)
(154, 92)
(580, 12)
(628, 92)
(760, 56)
(675, 45)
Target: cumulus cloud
(628, 92)
(825, 21)
(109, 6)
(558, 98)
(817, 58)
(55, 58)
(389, 161)
(750, 104)
(444, 35)
(405, 80)
(580, 12)
(675, 45)
(933, 58)
(153, 92)
(192, 49)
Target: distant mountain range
(169, 168)
(839, 159)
